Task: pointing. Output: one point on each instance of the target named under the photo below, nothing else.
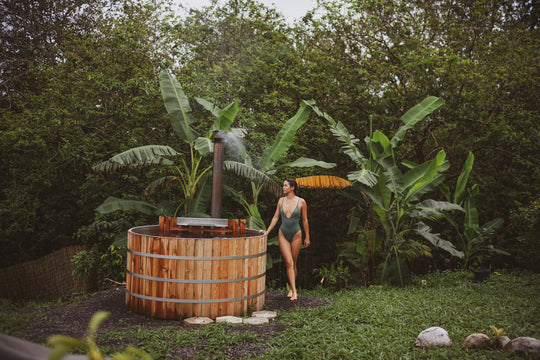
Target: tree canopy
(80, 84)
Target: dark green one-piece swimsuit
(290, 225)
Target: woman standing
(291, 208)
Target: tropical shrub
(397, 228)
(190, 173)
(472, 239)
(260, 169)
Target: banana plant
(397, 226)
(189, 172)
(260, 171)
(472, 238)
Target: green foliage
(67, 111)
(336, 277)
(81, 83)
(259, 171)
(113, 263)
(84, 263)
(525, 223)
(393, 197)
(473, 240)
(190, 173)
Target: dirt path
(72, 319)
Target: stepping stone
(198, 321)
(229, 319)
(256, 321)
(270, 315)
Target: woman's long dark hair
(292, 183)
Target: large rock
(433, 336)
(476, 341)
(524, 346)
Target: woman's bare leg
(290, 252)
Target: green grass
(12, 320)
(383, 323)
(363, 323)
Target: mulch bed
(72, 319)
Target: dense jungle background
(80, 82)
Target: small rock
(524, 346)
(198, 321)
(434, 336)
(229, 319)
(270, 315)
(256, 320)
(476, 341)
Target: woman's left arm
(305, 223)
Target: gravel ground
(72, 320)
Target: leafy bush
(525, 222)
(336, 277)
(84, 264)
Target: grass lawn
(378, 322)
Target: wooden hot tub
(176, 271)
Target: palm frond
(323, 182)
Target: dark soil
(72, 320)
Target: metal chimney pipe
(217, 173)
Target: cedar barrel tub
(187, 267)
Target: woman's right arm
(274, 219)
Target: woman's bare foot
(294, 297)
(290, 293)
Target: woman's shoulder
(301, 200)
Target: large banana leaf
(491, 226)
(428, 187)
(425, 231)
(203, 145)
(112, 204)
(471, 214)
(284, 138)
(414, 115)
(249, 172)
(256, 223)
(224, 117)
(363, 176)
(463, 178)
(380, 146)
(214, 109)
(439, 205)
(139, 156)
(433, 209)
(380, 194)
(177, 105)
(418, 177)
